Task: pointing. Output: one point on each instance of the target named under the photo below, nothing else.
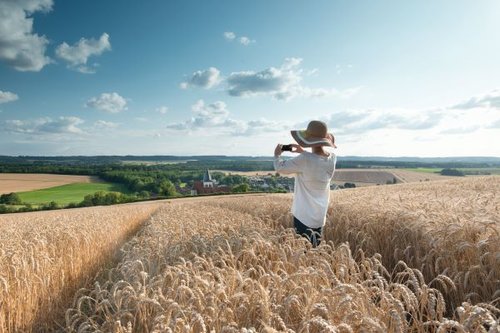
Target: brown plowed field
(363, 176)
(19, 182)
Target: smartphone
(286, 148)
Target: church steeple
(207, 177)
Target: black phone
(286, 148)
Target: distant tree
(232, 180)
(104, 198)
(272, 182)
(241, 188)
(349, 185)
(10, 199)
(144, 194)
(166, 188)
(452, 172)
(4, 209)
(51, 205)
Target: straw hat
(315, 135)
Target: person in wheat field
(313, 173)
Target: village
(270, 182)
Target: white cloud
(204, 79)
(108, 102)
(243, 40)
(246, 41)
(488, 100)
(461, 129)
(102, 124)
(494, 124)
(77, 55)
(214, 119)
(361, 121)
(262, 125)
(283, 83)
(61, 125)
(229, 35)
(162, 109)
(207, 116)
(7, 96)
(20, 47)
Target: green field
(69, 193)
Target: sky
(233, 77)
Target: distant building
(208, 185)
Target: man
(313, 173)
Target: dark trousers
(313, 234)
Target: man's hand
(297, 148)
(277, 150)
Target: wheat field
(45, 257)
(421, 257)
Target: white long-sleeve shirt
(313, 174)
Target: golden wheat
(46, 256)
(232, 265)
(401, 258)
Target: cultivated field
(410, 176)
(420, 257)
(69, 193)
(45, 257)
(20, 182)
(363, 177)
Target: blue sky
(390, 78)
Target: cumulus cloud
(77, 55)
(283, 83)
(215, 119)
(259, 126)
(246, 41)
(102, 124)
(203, 79)
(461, 130)
(494, 124)
(7, 96)
(61, 125)
(162, 109)
(20, 47)
(206, 116)
(359, 121)
(108, 102)
(243, 40)
(229, 35)
(488, 100)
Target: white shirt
(313, 174)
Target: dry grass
(228, 265)
(46, 256)
(20, 182)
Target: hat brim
(304, 141)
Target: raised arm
(295, 165)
